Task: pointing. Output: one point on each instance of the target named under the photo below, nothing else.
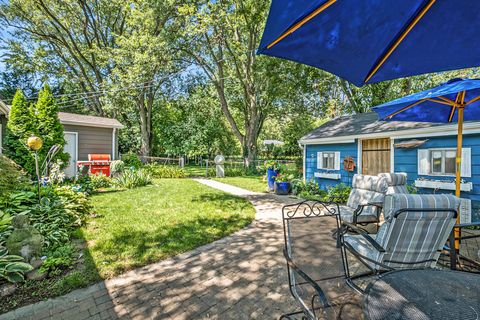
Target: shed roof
(76, 119)
(365, 124)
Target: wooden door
(375, 156)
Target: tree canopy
(182, 76)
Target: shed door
(375, 156)
(72, 149)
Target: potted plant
(273, 168)
(282, 184)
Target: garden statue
(220, 168)
(25, 240)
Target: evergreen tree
(21, 124)
(49, 128)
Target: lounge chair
(415, 230)
(397, 182)
(365, 200)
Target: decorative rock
(7, 290)
(25, 240)
(36, 263)
(36, 275)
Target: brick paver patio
(242, 276)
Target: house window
(328, 160)
(442, 162)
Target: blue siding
(406, 161)
(345, 149)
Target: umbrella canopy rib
(398, 40)
(302, 22)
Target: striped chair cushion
(366, 189)
(413, 237)
(397, 182)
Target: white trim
(1, 139)
(392, 155)
(438, 131)
(359, 156)
(113, 143)
(88, 124)
(76, 150)
(304, 163)
(325, 175)
(443, 185)
(333, 140)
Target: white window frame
(430, 158)
(330, 157)
(336, 160)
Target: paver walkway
(242, 276)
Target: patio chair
(467, 259)
(397, 182)
(365, 200)
(415, 230)
(314, 262)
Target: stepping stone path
(242, 276)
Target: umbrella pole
(458, 170)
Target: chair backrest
(397, 182)
(416, 228)
(367, 189)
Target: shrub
(75, 203)
(12, 268)
(231, 172)
(58, 213)
(116, 167)
(133, 179)
(83, 183)
(12, 177)
(158, 171)
(100, 181)
(58, 260)
(131, 160)
(338, 193)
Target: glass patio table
(423, 294)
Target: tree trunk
(145, 133)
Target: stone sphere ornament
(34, 143)
(219, 159)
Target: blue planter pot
(282, 188)
(271, 174)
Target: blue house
(425, 151)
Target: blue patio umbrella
(457, 100)
(367, 41)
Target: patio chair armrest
(318, 291)
(465, 225)
(364, 234)
(361, 207)
(365, 258)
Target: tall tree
(104, 50)
(21, 125)
(221, 37)
(48, 126)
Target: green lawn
(140, 226)
(252, 183)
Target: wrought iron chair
(397, 182)
(365, 201)
(415, 231)
(313, 259)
